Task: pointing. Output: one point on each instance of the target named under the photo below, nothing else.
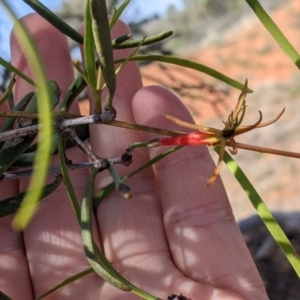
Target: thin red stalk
(266, 150)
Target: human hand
(174, 236)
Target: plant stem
(267, 150)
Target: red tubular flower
(191, 139)
(211, 136)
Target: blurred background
(227, 36)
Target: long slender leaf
(73, 91)
(117, 13)
(275, 32)
(89, 245)
(12, 150)
(89, 47)
(146, 41)
(65, 282)
(263, 212)
(12, 204)
(8, 123)
(95, 257)
(10, 154)
(38, 178)
(102, 39)
(53, 19)
(65, 173)
(191, 65)
(8, 91)
(12, 69)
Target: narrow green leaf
(12, 69)
(93, 254)
(38, 178)
(10, 205)
(121, 66)
(65, 282)
(263, 212)
(120, 40)
(120, 44)
(8, 123)
(13, 149)
(82, 72)
(65, 174)
(73, 91)
(87, 237)
(129, 57)
(102, 39)
(275, 32)
(191, 65)
(10, 154)
(53, 19)
(117, 13)
(25, 160)
(89, 47)
(8, 91)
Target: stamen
(243, 129)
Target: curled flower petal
(217, 170)
(192, 126)
(271, 121)
(241, 101)
(243, 129)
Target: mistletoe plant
(58, 130)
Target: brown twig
(56, 170)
